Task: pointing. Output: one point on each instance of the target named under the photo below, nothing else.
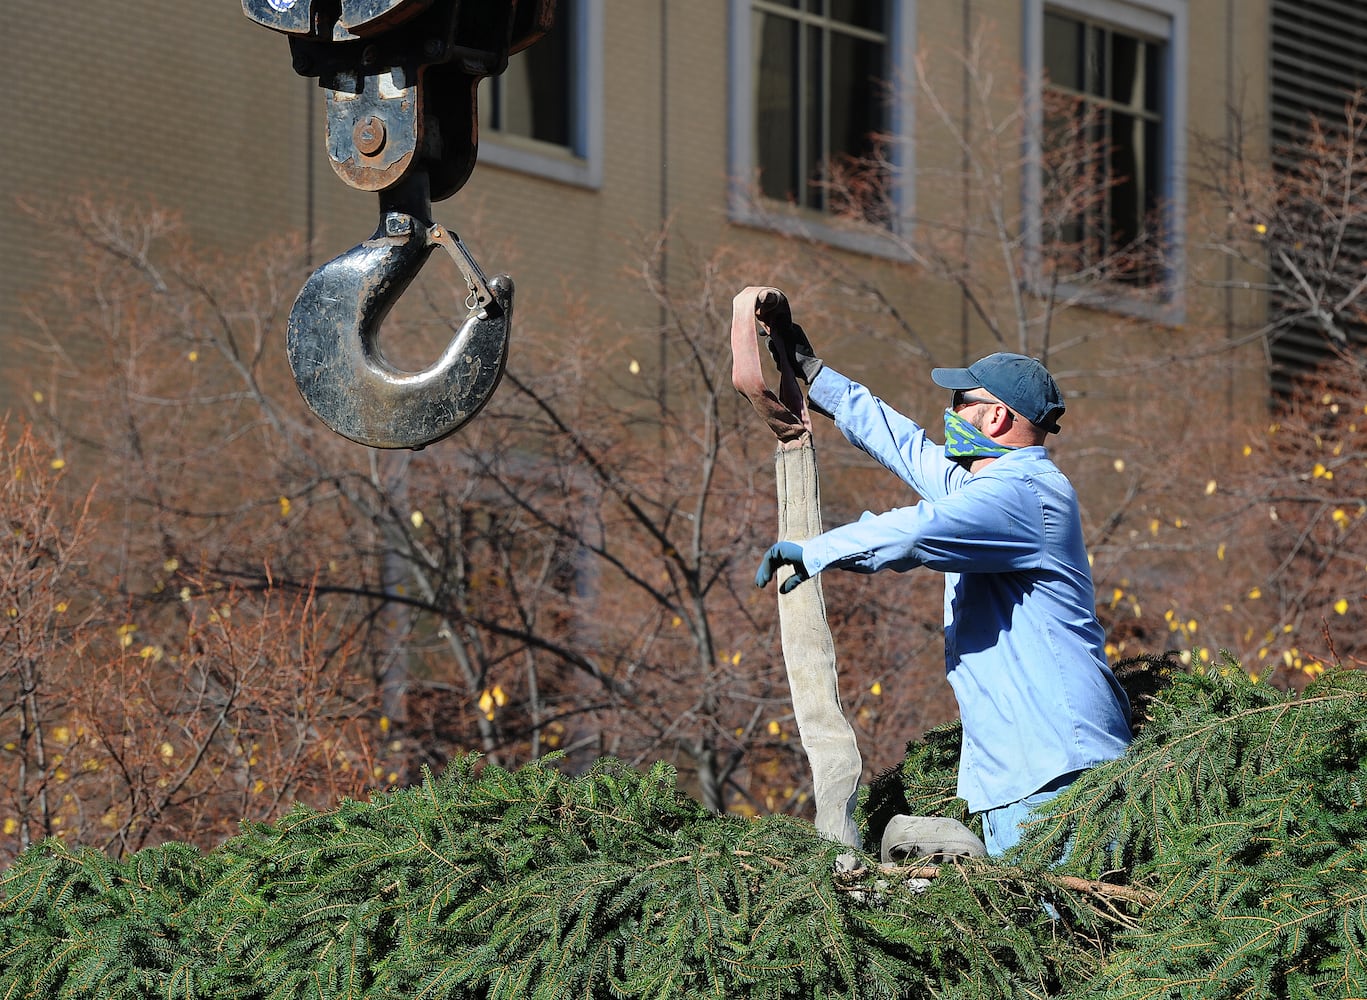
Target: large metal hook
(333, 337)
(400, 78)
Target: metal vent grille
(1318, 58)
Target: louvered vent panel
(1319, 57)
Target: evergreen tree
(1221, 856)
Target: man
(1023, 648)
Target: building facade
(721, 120)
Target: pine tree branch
(1074, 883)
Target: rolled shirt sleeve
(896, 442)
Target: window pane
(858, 114)
(536, 96)
(776, 122)
(1127, 179)
(871, 14)
(1152, 170)
(1127, 69)
(1153, 78)
(858, 95)
(1063, 51)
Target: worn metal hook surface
(334, 351)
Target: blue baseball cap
(1021, 383)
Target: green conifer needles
(1244, 811)
(1222, 856)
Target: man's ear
(1000, 421)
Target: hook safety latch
(480, 296)
(334, 351)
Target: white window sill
(805, 224)
(540, 159)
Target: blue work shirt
(1024, 651)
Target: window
(1110, 84)
(1102, 191)
(543, 113)
(818, 79)
(814, 92)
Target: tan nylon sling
(808, 648)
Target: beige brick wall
(187, 103)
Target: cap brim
(954, 378)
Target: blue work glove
(782, 554)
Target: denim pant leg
(1002, 826)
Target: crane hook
(333, 338)
(400, 79)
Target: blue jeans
(1002, 827)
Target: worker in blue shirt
(1024, 651)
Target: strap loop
(759, 311)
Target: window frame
(746, 206)
(1164, 20)
(580, 163)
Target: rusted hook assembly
(400, 79)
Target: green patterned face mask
(963, 440)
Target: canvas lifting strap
(808, 648)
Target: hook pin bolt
(369, 136)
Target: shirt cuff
(827, 391)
